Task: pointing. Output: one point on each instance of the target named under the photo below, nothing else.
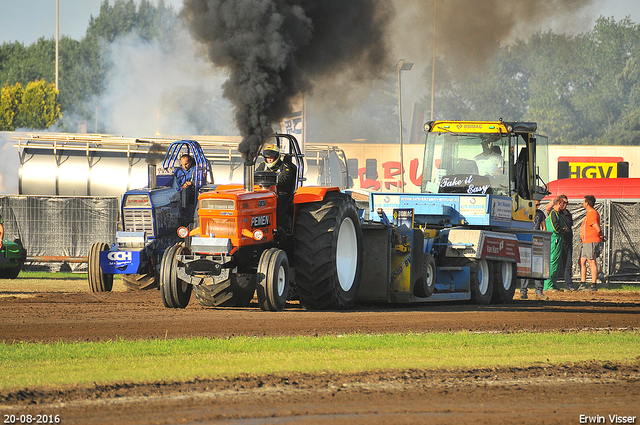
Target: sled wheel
(140, 281)
(98, 281)
(175, 292)
(481, 281)
(504, 282)
(273, 280)
(426, 284)
(328, 253)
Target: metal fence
(59, 229)
(620, 259)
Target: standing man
(555, 224)
(538, 224)
(567, 245)
(591, 236)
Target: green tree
(83, 64)
(10, 97)
(581, 90)
(39, 108)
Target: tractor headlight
(183, 232)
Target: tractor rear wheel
(245, 290)
(175, 292)
(236, 291)
(426, 284)
(98, 281)
(504, 284)
(140, 281)
(481, 280)
(328, 253)
(273, 280)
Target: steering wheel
(181, 176)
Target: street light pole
(433, 60)
(402, 65)
(57, 38)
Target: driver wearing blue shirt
(185, 175)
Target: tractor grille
(219, 227)
(139, 220)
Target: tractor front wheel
(328, 253)
(13, 272)
(175, 292)
(98, 281)
(273, 280)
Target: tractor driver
(286, 181)
(490, 161)
(185, 175)
(187, 180)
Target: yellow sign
(469, 126)
(592, 167)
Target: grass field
(35, 365)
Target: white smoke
(9, 163)
(162, 89)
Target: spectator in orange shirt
(591, 236)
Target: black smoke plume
(155, 154)
(274, 49)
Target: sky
(27, 20)
(152, 90)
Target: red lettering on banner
(391, 176)
(413, 173)
(367, 183)
(391, 169)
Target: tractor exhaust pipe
(248, 175)
(151, 171)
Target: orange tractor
(240, 246)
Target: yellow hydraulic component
(404, 248)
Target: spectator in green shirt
(557, 225)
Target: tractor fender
(306, 194)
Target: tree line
(82, 66)
(582, 89)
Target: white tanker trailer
(106, 165)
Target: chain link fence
(620, 258)
(60, 230)
(57, 230)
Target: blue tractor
(149, 218)
(468, 235)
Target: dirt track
(64, 310)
